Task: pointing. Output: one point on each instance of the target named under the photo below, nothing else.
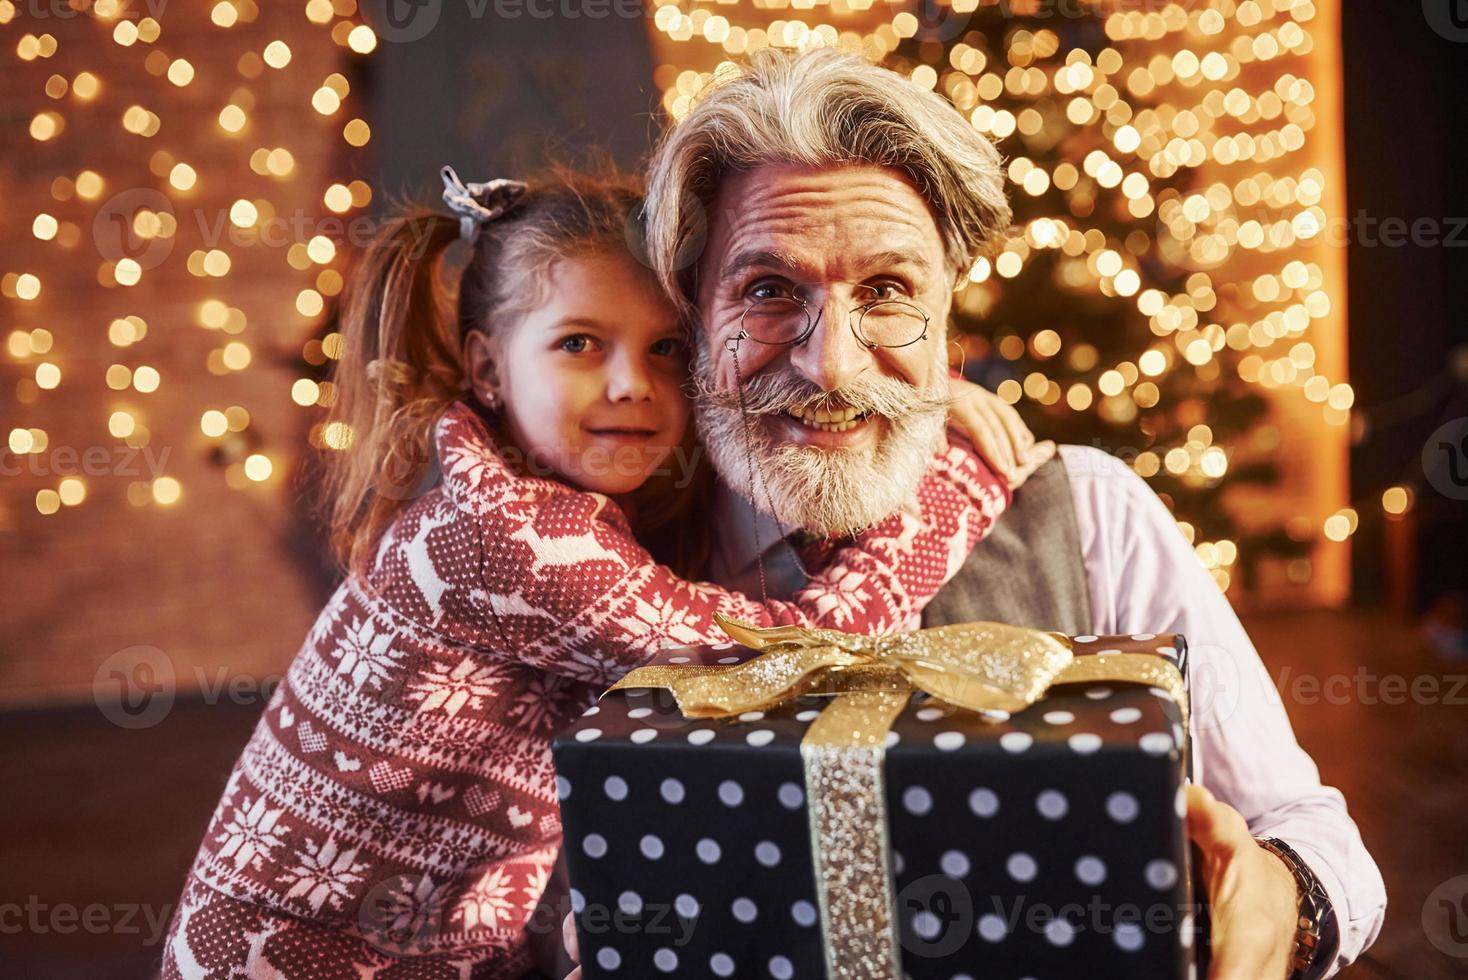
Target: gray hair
(820, 108)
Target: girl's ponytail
(401, 367)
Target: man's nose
(628, 378)
(832, 356)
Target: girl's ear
(481, 368)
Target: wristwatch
(1317, 936)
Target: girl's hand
(997, 432)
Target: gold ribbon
(993, 669)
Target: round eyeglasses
(787, 321)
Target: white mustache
(776, 394)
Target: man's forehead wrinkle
(854, 263)
(808, 242)
(817, 209)
(821, 225)
(759, 257)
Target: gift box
(884, 814)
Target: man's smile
(830, 420)
(841, 429)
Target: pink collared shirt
(1143, 576)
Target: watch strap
(1317, 936)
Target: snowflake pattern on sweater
(394, 812)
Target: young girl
(394, 813)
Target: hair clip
(478, 204)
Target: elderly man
(812, 216)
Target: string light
(151, 106)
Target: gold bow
(991, 668)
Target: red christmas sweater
(394, 813)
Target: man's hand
(997, 432)
(568, 936)
(1253, 899)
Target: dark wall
(493, 86)
(1406, 116)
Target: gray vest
(1029, 570)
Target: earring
(491, 399)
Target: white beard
(830, 492)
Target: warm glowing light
(277, 54)
(236, 356)
(338, 198)
(243, 214)
(232, 118)
(305, 391)
(180, 73)
(258, 467)
(213, 423)
(48, 501)
(146, 378)
(362, 40)
(121, 424)
(321, 249)
(166, 490)
(338, 435)
(21, 441)
(71, 490)
(182, 177)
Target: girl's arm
(572, 591)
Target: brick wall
(226, 580)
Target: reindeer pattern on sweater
(394, 812)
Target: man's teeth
(829, 421)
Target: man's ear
(481, 366)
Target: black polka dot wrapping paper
(1050, 844)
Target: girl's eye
(669, 347)
(577, 343)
